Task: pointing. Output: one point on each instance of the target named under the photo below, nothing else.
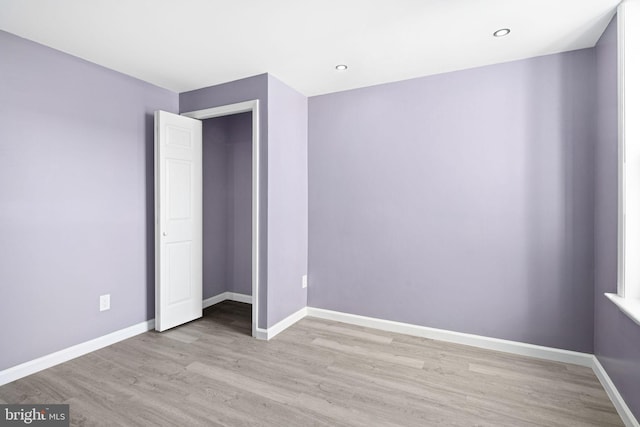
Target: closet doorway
(179, 271)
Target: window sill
(628, 306)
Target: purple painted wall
(227, 205)
(214, 207)
(288, 201)
(76, 197)
(617, 338)
(230, 93)
(461, 201)
(238, 155)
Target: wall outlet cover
(105, 302)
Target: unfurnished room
(320, 213)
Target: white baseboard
(224, 296)
(267, 334)
(31, 367)
(262, 334)
(513, 347)
(623, 410)
(214, 300)
(233, 296)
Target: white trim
(256, 191)
(233, 296)
(225, 110)
(621, 153)
(31, 367)
(267, 334)
(628, 306)
(226, 296)
(261, 334)
(216, 299)
(617, 400)
(514, 347)
(286, 322)
(628, 149)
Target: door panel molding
(178, 219)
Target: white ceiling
(188, 44)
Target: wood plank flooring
(210, 372)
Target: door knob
(164, 233)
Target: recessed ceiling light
(501, 32)
(341, 67)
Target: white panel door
(178, 231)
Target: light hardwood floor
(210, 372)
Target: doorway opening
(226, 209)
(233, 227)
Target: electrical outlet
(304, 281)
(105, 302)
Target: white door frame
(225, 110)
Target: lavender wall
(461, 201)
(230, 93)
(76, 190)
(288, 201)
(239, 189)
(617, 338)
(214, 207)
(227, 191)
